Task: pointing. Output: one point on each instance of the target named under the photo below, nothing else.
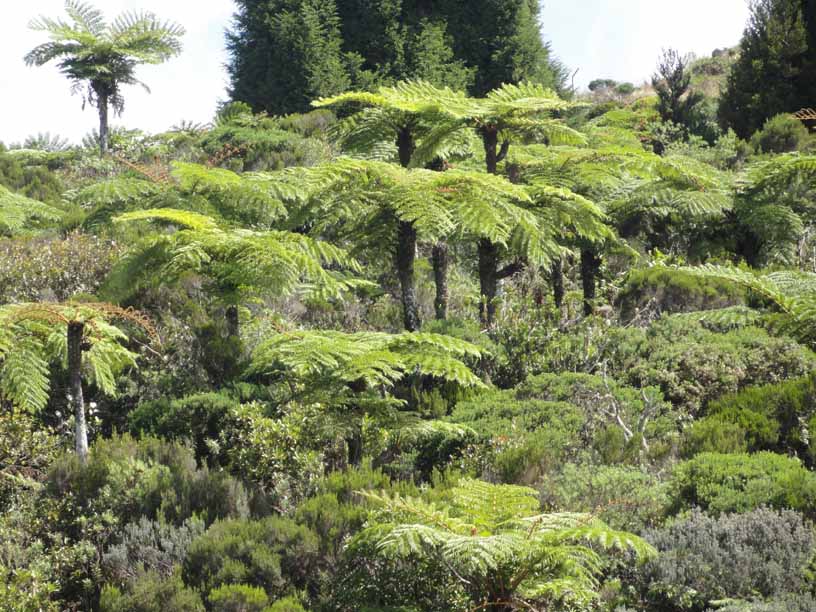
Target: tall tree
(285, 53)
(774, 72)
(277, 46)
(99, 58)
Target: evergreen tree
(287, 52)
(774, 73)
(284, 53)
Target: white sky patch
(622, 39)
(619, 39)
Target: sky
(618, 39)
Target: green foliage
(151, 593)
(780, 134)
(494, 541)
(704, 560)
(772, 73)
(54, 269)
(273, 554)
(17, 212)
(693, 365)
(238, 598)
(624, 497)
(126, 479)
(739, 483)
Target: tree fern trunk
(76, 331)
(233, 323)
(102, 103)
(488, 281)
(440, 262)
(590, 264)
(406, 254)
(557, 279)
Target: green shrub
(201, 418)
(238, 598)
(151, 593)
(739, 483)
(790, 602)
(149, 546)
(129, 479)
(704, 559)
(274, 554)
(773, 417)
(714, 434)
(287, 604)
(624, 497)
(780, 134)
(693, 365)
(665, 291)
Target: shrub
(149, 546)
(48, 268)
(790, 602)
(287, 604)
(739, 483)
(704, 559)
(151, 593)
(26, 451)
(274, 554)
(780, 134)
(665, 291)
(129, 479)
(624, 497)
(693, 365)
(237, 598)
(773, 417)
(202, 418)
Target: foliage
(54, 269)
(739, 483)
(771, 74)
(274, 554)
(780, 134)
(738, 556)
(151, 593)
(495, 542)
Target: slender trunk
(439, 258)
(406, 254)
(557, 276)
(354, 443)
(102, 103)
(590, 264)
(489, 252)
(76, 331)
(233, 323)
(488, 281)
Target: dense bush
(238, 598)
(704, 559)
(127, 479)
(274, 554)
(693, 365)
(151, 593)
(53, 268)
(772, 417)
(659, 290)
(149, 546)
(739, 483)
(780, 134)
(626, 498)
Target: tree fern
(18, 212)
(493, 540)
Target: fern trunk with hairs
(439, 257)
(76, 331)
(489, 275)
(104, 130)
(590, 264)
(407, 242)
(557, 279)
